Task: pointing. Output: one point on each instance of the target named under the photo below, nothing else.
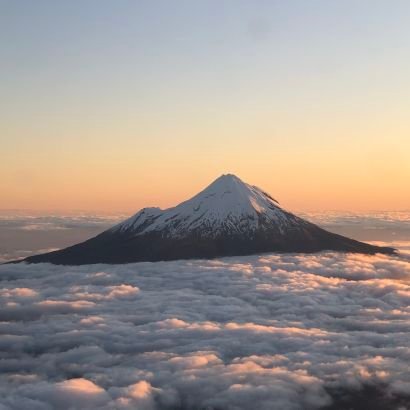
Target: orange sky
(311, 105)
(353, 179)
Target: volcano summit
(227, 218)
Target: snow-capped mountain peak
(227, 204)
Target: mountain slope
(229, 217)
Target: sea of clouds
(38, 221)
(24, 233)
(258, 332)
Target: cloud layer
(23, 234)
(27, 221)
(274, 331)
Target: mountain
(227, 218)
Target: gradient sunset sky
(117, 105)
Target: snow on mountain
(227, 204)
(227, 218)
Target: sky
(114, 106)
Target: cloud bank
(27, 221)
(271, 331)
(23, 233)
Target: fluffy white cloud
(268, 332)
